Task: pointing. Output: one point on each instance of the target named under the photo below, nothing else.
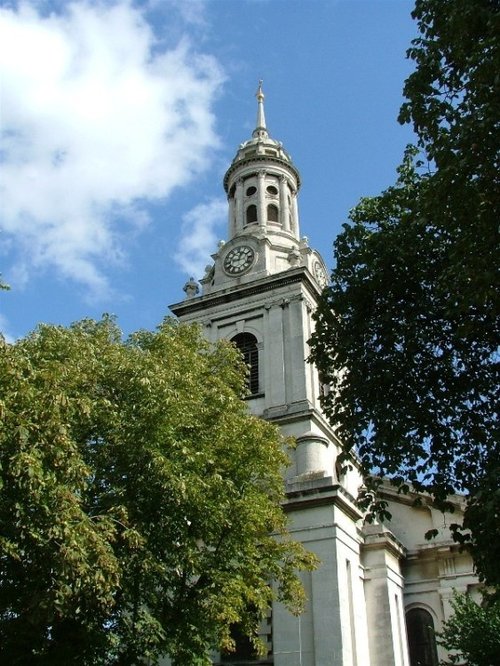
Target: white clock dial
(320, 274)
(238, 260)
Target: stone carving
(191, 288)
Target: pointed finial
(259, 94)
(260, 129)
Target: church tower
(262, 288)
(261, 292)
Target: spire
(260, 129)
(260, 146)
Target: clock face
(238, 260)
(320, 274)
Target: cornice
(259, 159)
(379, 537)
(321, 492)
(242, 291)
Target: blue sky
(119, 120)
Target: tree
(473, 632)
(139, 502)
(408, 331)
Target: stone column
(261, 199)
(239, 222)
(231, 220)
(295, 215)
(284, 207)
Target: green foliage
(408, 332)
(454, 106)
(473, 633)
(139, 502)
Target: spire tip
(260, 129)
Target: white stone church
(379, 589)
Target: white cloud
(96, 121)
(199, 237)
(190, 11)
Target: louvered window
(251, 214)
(272, 213)
(247, 344)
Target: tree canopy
(408, 332)
(472, 633)
(139, 501)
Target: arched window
(251, 214)
(421, 638)
(272, 213)
(247, 344)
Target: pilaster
(384, 584)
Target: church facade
(379, 589)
